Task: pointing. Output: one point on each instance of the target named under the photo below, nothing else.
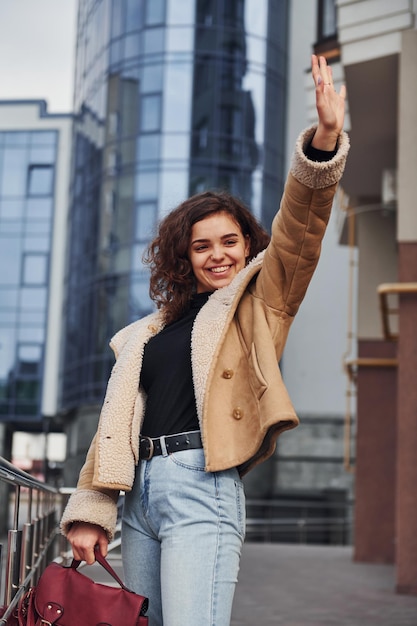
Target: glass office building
(27, 170)
(35, 149)
(171, 98)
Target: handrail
(31, 544)
(26, 582)
(15, 476)
(350, 364)
(384, 290)
(351, 367)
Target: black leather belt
(168, 444)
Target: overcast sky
(37, 49)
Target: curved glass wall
(171, 98)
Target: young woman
(195, 398)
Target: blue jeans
(182, 535)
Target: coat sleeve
(88, 504)
(299, 227)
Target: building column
(375, 453)
(406, 508)
(406, 504)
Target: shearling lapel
(117, 430)
(210, 327)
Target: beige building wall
(375, 228)
(407, 140)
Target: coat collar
(210, 327)
(221, 303)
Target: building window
(234, 11)
(35, 267)
(132, 46)
(132, 15)
(233, 71)
(150, 114)
(146, 184)
(203, 137)
(154, 12)
(113, 124)
(205, 12)
(149, 147)
(29, 358)
(39, 208)
(153, 41)
(44, 138)
(11, 209)
(13, 171)
(145, 220)
(152, 78)
(116, 18)
(40, 178)
(231, 130)
(327, 19)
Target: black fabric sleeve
(319, 155)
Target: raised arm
(300, 224)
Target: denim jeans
(182, 535)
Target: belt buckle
(151, 448)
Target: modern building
(35, 149)
(376, 52)
(171, 98)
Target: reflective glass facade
(171, 97)
(27, 170)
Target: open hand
(330, 105)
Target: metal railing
(33, 508)
(303, 521)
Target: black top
(319, 155)
(166, 374)
(166, 377)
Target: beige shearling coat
(237, 340)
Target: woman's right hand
(330, 106)
(83, 537)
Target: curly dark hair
(172, 280)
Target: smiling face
(217, 251)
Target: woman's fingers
(83, 538)
(322, 73)
(330, 105)
(325, 72)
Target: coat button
(228, 373)
(238, 413)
